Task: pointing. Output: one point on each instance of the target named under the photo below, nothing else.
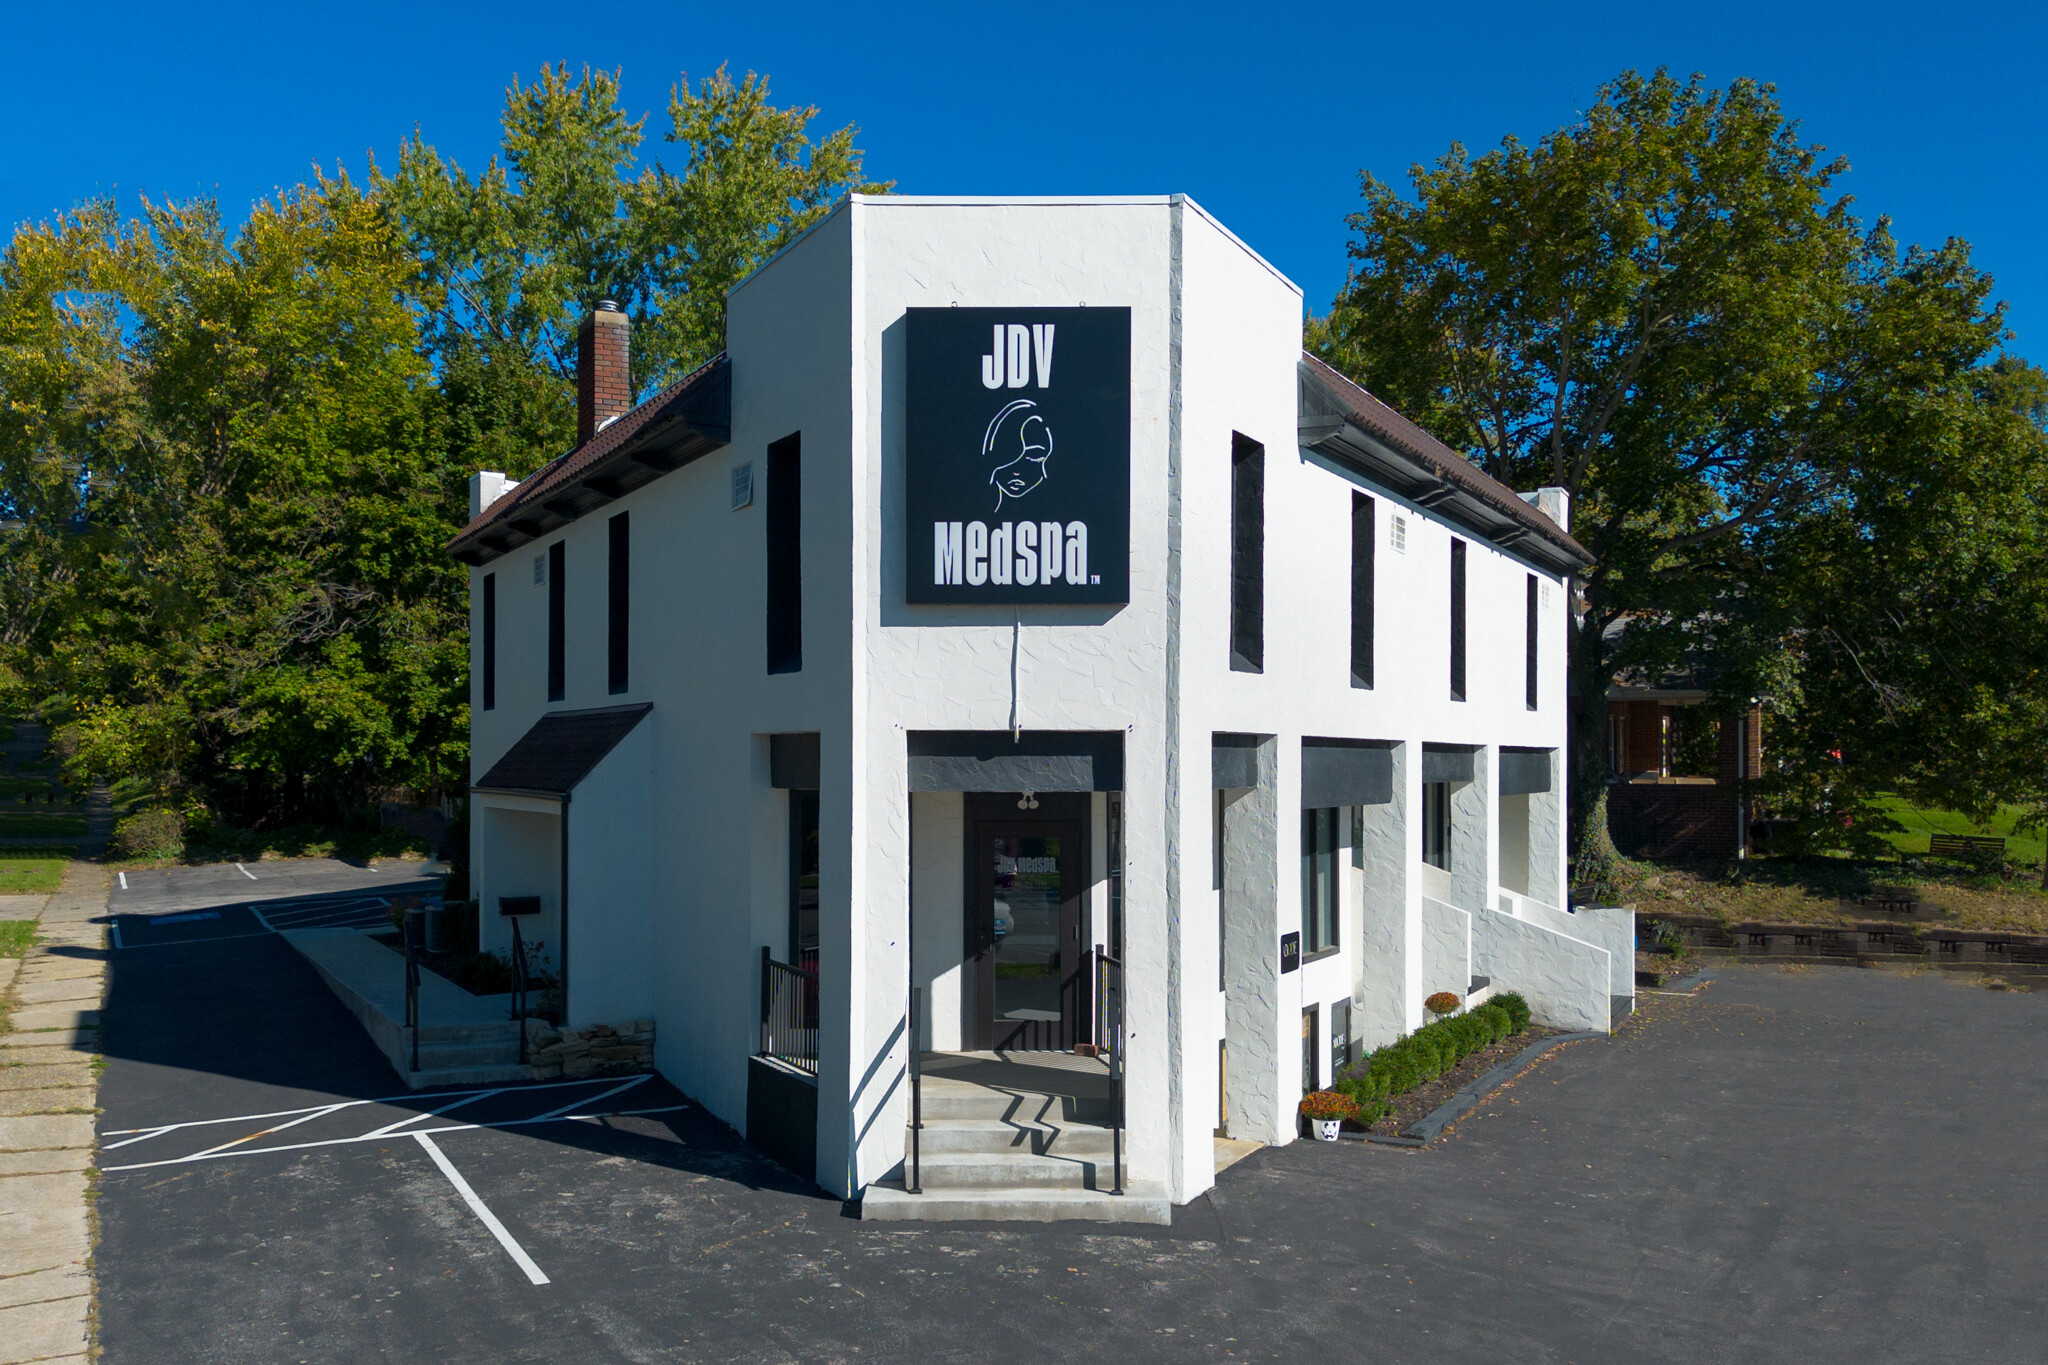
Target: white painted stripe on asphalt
(482, 1210)
(245, 872)
(350, 1141)
(114, 932)
(594, 1099)
(274, 1128)
(124, 879)
(147, 1134)
(586, 1083)
(436, 1113)
(182, 942)
(267, 925)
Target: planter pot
(1324, 1130)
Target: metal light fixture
(1028, 801)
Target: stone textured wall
(600, 1050)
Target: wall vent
(540, 570)
(1397, 534)
(742, 485)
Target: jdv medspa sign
(1019, 455)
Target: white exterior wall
(816, 341)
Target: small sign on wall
(1018, 455)
(1290, 953)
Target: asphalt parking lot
(1825, 1164)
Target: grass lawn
(2024, 849)
(15, 937)
(56, 824)
(1809, 891)
(31, 871)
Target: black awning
(1447, 762)
(561, 749)
(1036, 761)
(1346, 772)
(1234, 761)
(1523, 771)
(793, 761)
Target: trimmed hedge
(1428, 1053)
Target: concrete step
(1146, 1202)
(943, 1099)
(1009, 1170)
(505, 1032)
(447, 1076)
(434, 1054)
(1001, 1135)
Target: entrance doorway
(1028, 872)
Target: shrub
(1328, 1104)
(1443, 1002)
(1428, 1053)
(458, 926)
(1516, 1007)
(481, 974)
(150, 834)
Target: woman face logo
(1020, 441)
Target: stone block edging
(1431, 1126)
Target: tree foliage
(1755, 401)
(230, 458)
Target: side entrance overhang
(578, 887)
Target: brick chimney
(604, 379)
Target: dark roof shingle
(561, 749)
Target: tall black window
(1247, 555)
(1361, 589)
(1436, 824)
(803, 879)
(1311, 1074)
(1340, 1037)
(558, 622)
(619, 603)
(1319, 878)
(785, 557)
(1457, 620)
(1529, 648)
(490, 644)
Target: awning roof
(561, 749)
(686, 421)
(1339, 419)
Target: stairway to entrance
(1017, 1137)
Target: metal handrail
(915, 1185)
(789, 1013)
(1109, 987)
(519, 987)
(412, 982)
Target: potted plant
(1326, 1111)
(1442, 1003)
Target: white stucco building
(1178, 644)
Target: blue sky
(1264, 113)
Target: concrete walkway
(48, 1092)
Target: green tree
(1666, 310)
(515, 257)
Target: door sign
(1018, 455)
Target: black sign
(1290, 953)
(1019, 455)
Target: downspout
(563, 952)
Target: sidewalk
(47, 1105)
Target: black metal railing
(1109, 1007)
(412, 981)
(915, 1184)
(789, 1014)
(519, 987)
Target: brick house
(1679, 774)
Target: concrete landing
(464, 1039)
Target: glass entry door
(1031, 977)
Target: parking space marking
(245, 872)
(364, 1137)
(482, 1210)
(436, 1113)
(124, 879)
(345, 1104)
(274, 1128)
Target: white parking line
(245, 872)
(482, 1210)
(350, 1104)
(114, 932)
(261, 920)
(124, 879)
(365, 1137)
